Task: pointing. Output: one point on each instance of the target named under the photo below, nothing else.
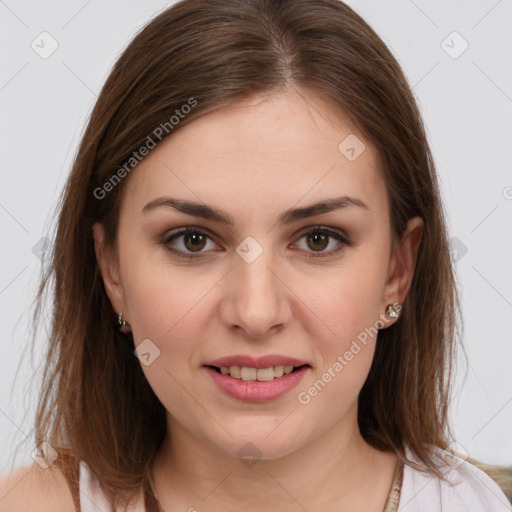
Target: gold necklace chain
(396, 488)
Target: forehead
(266, 150)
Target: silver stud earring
(391, 311)
(121, 322)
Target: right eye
(193, 241)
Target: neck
(338, 467)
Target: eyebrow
(289, 216)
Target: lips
(275, 375)
(256, 391)
(256, 362)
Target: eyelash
(344, 241)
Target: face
(264, 274)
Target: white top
(468, 489)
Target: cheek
(346, 349)
(350, 298)
(167, 307)
(170, 311)
(161, 296)
(349, 304)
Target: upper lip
(255, 361)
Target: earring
(121, 322)
(391, 311)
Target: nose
(255, 297)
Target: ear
(109, 269)
(403, 263)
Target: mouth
(257, 374)
(251, 384)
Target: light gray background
(467, 107)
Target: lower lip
(254, 390)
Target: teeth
(263, 374)
(279, 371)
(235, 372)
(259, 374)
(248, 373)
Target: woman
(254, 304)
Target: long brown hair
(95, 403)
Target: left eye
(318, 239)
(194, 240)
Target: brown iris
(197, 241)
(319, 239)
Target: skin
(255, 159)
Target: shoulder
(36, 489)
(465, 487)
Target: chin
(260, 446)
